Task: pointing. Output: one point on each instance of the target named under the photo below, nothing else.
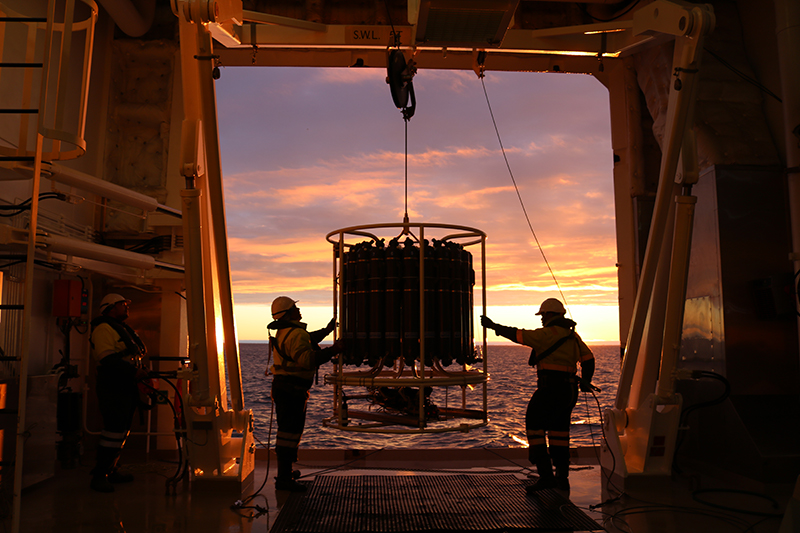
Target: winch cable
(605, 440)
(519, 196)
(180, 427)
(242, 504)
(406, 172)
(684, 416)
(651, 507)
(541, 250)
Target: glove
(331, 325)
(487, 322)
(326, 354)
(586, 386)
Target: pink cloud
(328, 153)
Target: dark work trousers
(549, 411)
(118, 397)
(290, 394)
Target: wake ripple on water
(510, 386)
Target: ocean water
(511, 384)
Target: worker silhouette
(296, 356)
(118, 351)
(556, 351)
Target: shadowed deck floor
(405, 504)
(65, 503)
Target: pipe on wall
(86, 182)
(98, 252)
(133, 17)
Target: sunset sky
(309, 151)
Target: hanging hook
(479, 62)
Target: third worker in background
(118, 351)
(556, 351)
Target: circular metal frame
(341, 239)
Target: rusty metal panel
(736, 311)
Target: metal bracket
(673, 18)
(209, 11)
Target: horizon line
(590, 342)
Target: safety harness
(133, 344)
(273, 341)
(535, 359)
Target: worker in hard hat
(556, 351)
(118, 352)
(296, 356)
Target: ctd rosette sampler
(403, 299)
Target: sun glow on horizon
(596, 324)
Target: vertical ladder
(63, 144)
(21, 155)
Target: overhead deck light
(480, 23)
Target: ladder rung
(18, 111)
(23, 19)
(11, 307)
(8, 358)
(16, 158)
(8, 411)
(21, 65)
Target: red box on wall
(67, 298)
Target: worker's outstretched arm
(504, 331)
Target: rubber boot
(562, 478)
(119, 477)
(546, 479)
(115, 476)
(561, 462)
(284, 481)
(106, 458)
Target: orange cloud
(337, 160)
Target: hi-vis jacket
(293, 353)
(113, 337)
(565, 358)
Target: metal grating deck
(406, 504)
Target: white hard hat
(111, 300)
(551, 305)
(280, 305)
